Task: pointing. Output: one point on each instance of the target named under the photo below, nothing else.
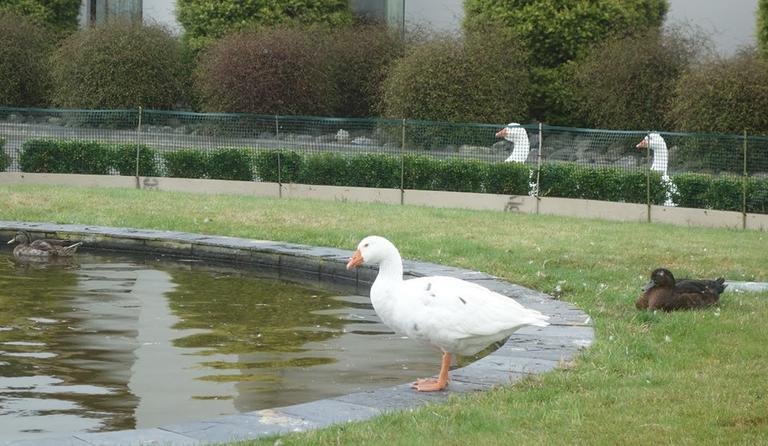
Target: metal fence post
(744, 180)
(538, 169)
(277, 127)
(648, 177)
(138, 148)
(402, 163)
(279, 176)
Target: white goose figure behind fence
(658, 146)
(517, 135)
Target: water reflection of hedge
(244, 314)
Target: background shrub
(73, 156)
(59, 15)
(480, 79)
(24, 51)
(205, 21)
(358, 59)
(230, 164)
(272, 71)
(723, 96)
(119, 65)
(762, 28)
(186, 163)
(558, 31)
(629, 83)
(125, 160)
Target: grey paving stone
(562, 331)
(483, 375)
(327, 412)
(143, 437)
(239, 427)
(517, 364)
(53, 441)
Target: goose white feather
(454, 315)
(658, 145)
(517, 135)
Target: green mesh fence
(724, 172)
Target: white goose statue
(517, 135)
(454, 315)
(656, 143)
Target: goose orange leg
(432, 384)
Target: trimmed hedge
(565, 180)
(54, 156)
(230, 164)
(186, 163)
(722, 192)
(221, 164)
(124, 160)
(267, 163)
(86, 157)
(5, 159)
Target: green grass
(696, 377)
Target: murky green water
(108, 343)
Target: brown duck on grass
(664, 293)
(42, 247)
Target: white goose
(517, 135)
(656, 143)
(457, 316)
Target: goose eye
(365, 246)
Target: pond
(116, 342)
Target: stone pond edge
(528, 351)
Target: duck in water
(42, 247)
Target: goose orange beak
(356, 260)
(502, 133)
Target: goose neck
(391, 269)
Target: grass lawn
(697, 377)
